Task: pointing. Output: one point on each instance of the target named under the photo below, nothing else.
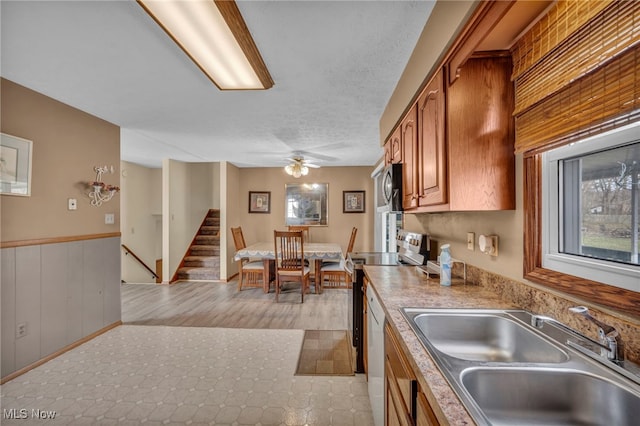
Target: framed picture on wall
(259, 202)
(15, 165)
(352, 201)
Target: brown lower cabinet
(405, 403)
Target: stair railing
(129, 251)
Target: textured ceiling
(335, 65)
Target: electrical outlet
(109, 219)
(21, 330)
(471, 237)
(73, 204)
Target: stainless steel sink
(512, 367)
(523, 396)
(486, 337)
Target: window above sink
(590, 193)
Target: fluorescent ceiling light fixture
(214, 35)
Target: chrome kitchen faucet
(613, 348)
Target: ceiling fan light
(289, 169)
(304, 170)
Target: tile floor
(155, 375)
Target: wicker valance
(589, 78)
(561, 21)
(604, 99)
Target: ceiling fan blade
(313, 166)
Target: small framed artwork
(259, 202)
(352, 201)
(15, 165)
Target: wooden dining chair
(251, 272)
(305, 231)
(335, 273)
(290, 265)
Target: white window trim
(612, 273)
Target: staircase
(202, 261)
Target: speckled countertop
(406, 286)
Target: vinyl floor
(194, 354)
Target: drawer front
(399, 367)
(398, 412)
(424, 413)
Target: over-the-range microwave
(390, 197)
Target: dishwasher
(375, 351)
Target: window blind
(576, 71)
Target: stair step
(209, 230)
(202, 261)
(206, 274)
(204, 250)
(207, 240)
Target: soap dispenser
(445, 265)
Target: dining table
(317, 252)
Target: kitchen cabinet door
(393, 148)
(401, 384)
(432, 160)
(409, 136)
(480, 133)
(387, 152)
(396, 147)
(424, 413)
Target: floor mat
(325, 353)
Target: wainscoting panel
(74, 291)
(28, 304)
(92, 292)
(63, 292)
(54, 297)
(112, 274)
(8, 313)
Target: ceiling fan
(299, 166)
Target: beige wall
(452, 228)
(67, 144)
(141, 204)
(188, 191)
(66, 291)
(230, 215)
(260, 227)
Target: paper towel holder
(488, 244)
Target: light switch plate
(471, 237)
(109, 219)
(72, 204)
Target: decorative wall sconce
(102, 192)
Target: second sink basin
(527, 396)
(485, 337)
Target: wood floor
(209, 304)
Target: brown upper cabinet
(393, 148)
(409, 136)
(460, 156)
(480, 130)
(432, 166)
(463, 156)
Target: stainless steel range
(413, 249)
